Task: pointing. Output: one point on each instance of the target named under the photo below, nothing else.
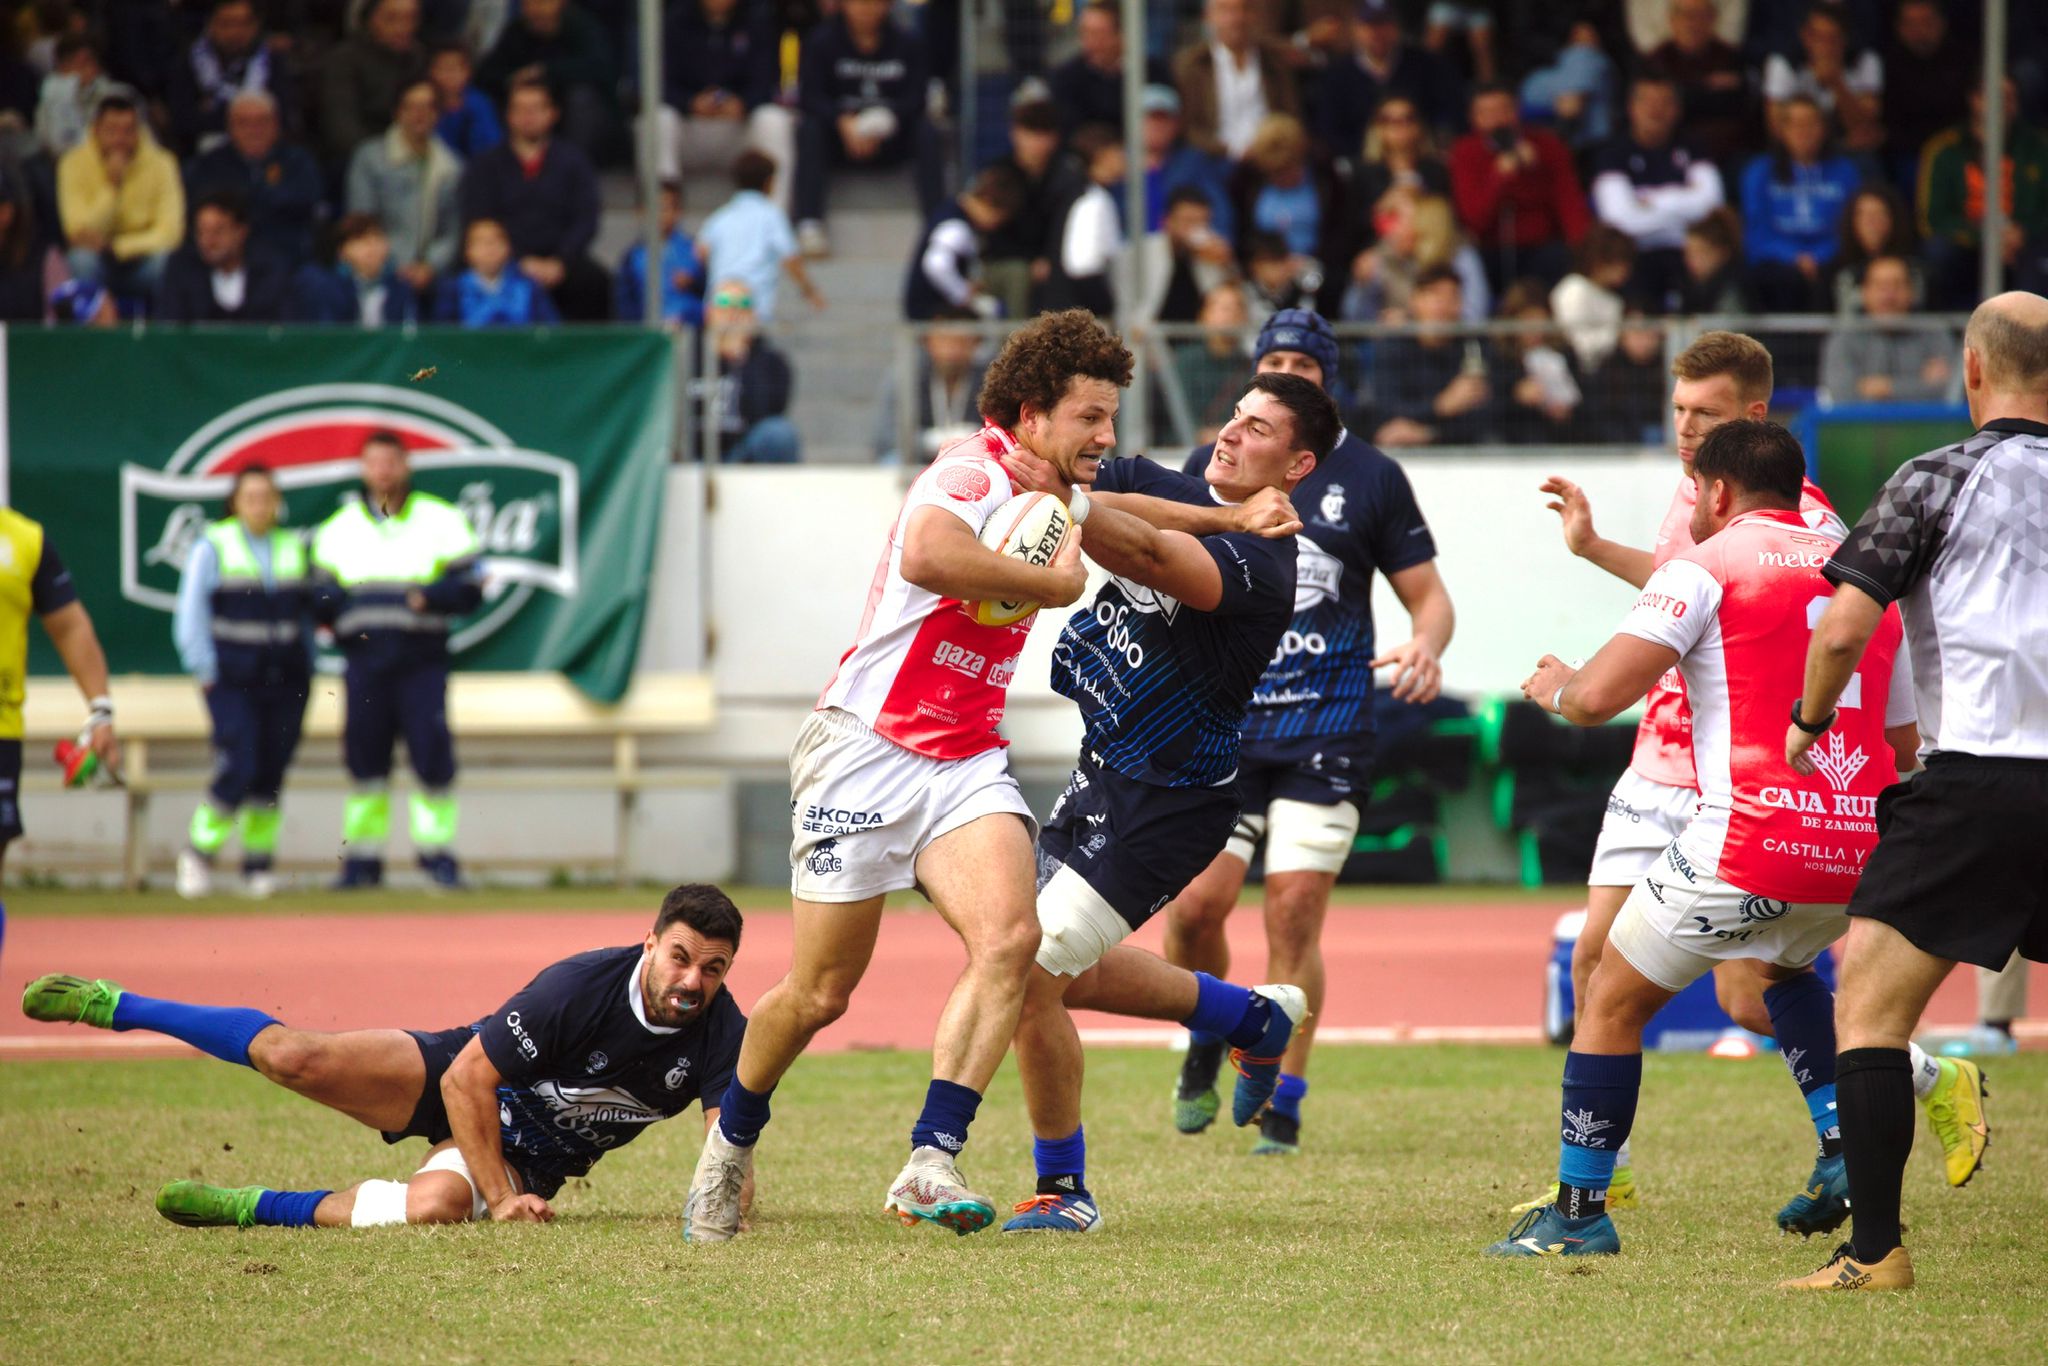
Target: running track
(1437, 973)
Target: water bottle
(78, 761)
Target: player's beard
(672, 1007)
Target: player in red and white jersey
(1764, 869)
(898, 779)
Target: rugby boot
(1845, 1271)
(1279, 1136)
(195, 874)
(1823, 1205)
(71, 1000)
(1544, 1232)
(1955, 1112)
(359, 875)
(1621, 1194)
(930, 1188)
(1195, 1101)
(1062, 1213)
(711, 1213)
(1258, 1067)
(444, 874)
(198, 1205)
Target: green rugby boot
(198, 1205)
(63, 999)
(1195, 1101)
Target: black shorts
(430, 1116)
(1323, 770)
(10, 790)
(1136, 844)
(1961, 865)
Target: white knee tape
(1077, 926)
(1305, 838)
(1245, 837)
(379, 1204)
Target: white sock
(1621, 1154)
(1926, 1071)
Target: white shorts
(862, 809)
(449, 1159)
(1301, 837)
(1643, 817)
(1678, 923)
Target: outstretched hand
(1569, 502)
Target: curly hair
(1042, 359)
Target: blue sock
(3, 924)
(1062, 1164)
(288, 1209)
(948, 1111)
(743, 1114)
(1288, 1097)
(1803, 1016)
(1600, 1092)
(224, 1031)
(1235, 1014)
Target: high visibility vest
(378, 560)
(258, 627)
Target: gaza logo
(523, 503)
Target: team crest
(1330, 509)
(597, 1062)
(677, 1075)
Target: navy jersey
(584, 1072)
(1162, 687)
(1358, 515)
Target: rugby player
(898, 779)
(1307, 753)
(1720, 376)
(577, 1064)
(1764, 868)
(1162, 666)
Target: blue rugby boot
(1061, 1213)
(1547, 1233)
(1823, 1205)
(1258, 1067)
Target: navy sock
(948, 1111)
(1238, 1015)
(223, 1031)
(1600, 1092)
(1062, 1164)
(1288, 1096)
(288, 1209)
(1803, 1016)
(743, 1114)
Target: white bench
(152, 711)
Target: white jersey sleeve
(1676, 607)
(971, 487)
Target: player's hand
(1551, 674)
(522, 1209)
(1418, 677)
(107, 746)
(1069, 575)
(1036, 474)
(1797, 742)
(1268, 513)
(1570, 504)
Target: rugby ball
(1030, 527)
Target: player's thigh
(980, 877)
(832, 945)
(1603, 904)
(375, 1076)
(1620, 999)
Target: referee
(1959, 539)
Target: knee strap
(379, 1204)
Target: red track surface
(1430, 972)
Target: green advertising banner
(553, 443)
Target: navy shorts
(1136, 844)
(430, 1116)
(1321, 770)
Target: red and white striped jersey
(922, 672)
(1663, 752)
(1740, 610)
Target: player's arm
(78, 645)
(1575, 511)
(1418, 672)
(1171, 562)
(1268, 513)
(470, 1091)
(1613, 680)
(1844, 629)
(942, 555)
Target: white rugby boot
(930, 1188)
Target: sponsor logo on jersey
(822, 859)
(1836, 762)
(576, 1108)
(963, 482)
(1791, 559)
(1298, 643)
(1818, 803)
(526, 1043)
(1317, 574)
(1001, 676)
(838, 820)
(959, 659)
(1757, 909)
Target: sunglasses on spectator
(728, 299)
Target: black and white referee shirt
(1959, 539)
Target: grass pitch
(1364, 1249)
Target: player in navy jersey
(1162, 664)
(577, 1064)
(1308, 737)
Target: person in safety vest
(242, 630)
(390, 573)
